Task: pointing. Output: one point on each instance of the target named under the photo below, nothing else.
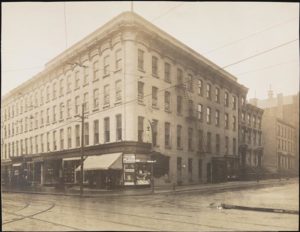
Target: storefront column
(42, 173)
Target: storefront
(52, 171)
(69, 166)
(6, 173)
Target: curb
(204, 190)
(269, 210)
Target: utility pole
(82, 152)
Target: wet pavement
(189, 211)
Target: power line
(260, 53)
(249, 36)
(167, 12)
(266, 67)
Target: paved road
(182, 212)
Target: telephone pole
(82, 150)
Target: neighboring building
(250, 140)
(139, 86)
(286, 110)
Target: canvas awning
(102, 162)
(17, 164)
(71, 158)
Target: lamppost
(82, 117)
(151, 161)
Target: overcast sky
(225, 33)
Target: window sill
(86, 84)
(168, 111)
(106, 75)
(96, 109)
(168, 81)
(54, 122)
(179, 114)
(141, 103)
(68, 91)
(141, 70)
(61, 95)
(155, 107)
(118, 102)
(106, 106)
(155, 75)
(180, 148)
(61, 120)
(168, 147)
(118, 70)
(95, 80)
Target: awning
(102, 162)
(17, 164)
(71, 158)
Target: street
(173, 212)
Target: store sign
(129, 158)
(142, 182)
(128, 183)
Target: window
(226, 99)
(217, 143)
(154, 66)
(77, 79)
(140, 128)
(48, 142)
(140, 92)
(140, 59)
(191, 108)
(243, 101)
(200, 140)
(208, 115)
(69, 137)
(217, 122)
(106, 130)
(118, 127)
(179, 77)
(47, 96)
(234, 146)
(69, 83)
(259, 122)
(200, 112)
(42, 142)
(179, 104)
(249, 137)
(106, 95)
(200, 87)
(86, 134)
(54, 141)
(190, 168)
(86, 102)
(190, 83)
(249, 119)
(61, 111)
(208, 91)
(41, 118)
(190, 139)
(208, 142)
(154, 132)
(243, 116)
(154, 96)
(61, 136)
(77, 135)
(69, 108)
(41, 100)
(85, 75)
(118, 56)
(77, 105)
(54, 114)
(226, 121)
(106, 66)
(61, 87)
(118, 88)
(234, 123)
(167, 72)
(179, 128)
(200, 169)
(167, 134)
(167, 101)
(17, 147)
(254, 137)
(226, 145)
(96, 99)
(54, 90)
(217, 96)
(233, 102)
(95, 70)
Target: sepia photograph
(149, 116)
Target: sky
(257, 41)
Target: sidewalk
(199, 188)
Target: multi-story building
(280, 109)
(143, 92)
(250, 140)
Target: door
(208, 172)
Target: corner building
(145, 96)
